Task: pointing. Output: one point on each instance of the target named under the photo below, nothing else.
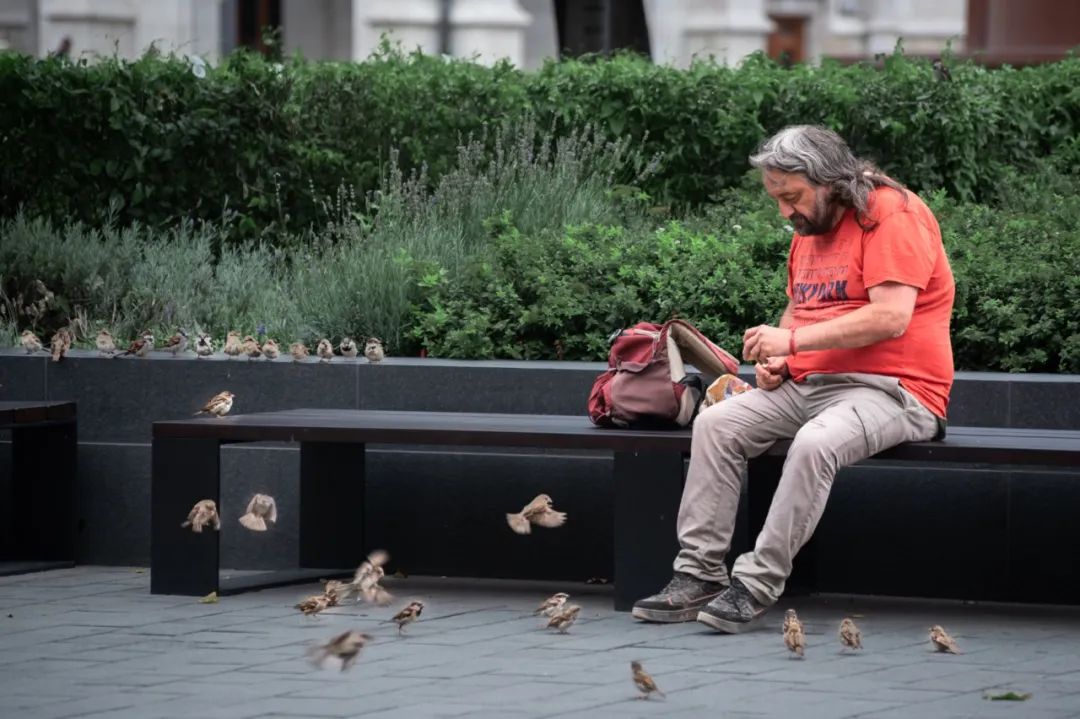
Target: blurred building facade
(528, 32)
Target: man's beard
(820, 221)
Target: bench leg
(763, 479)
(44, 488)
(184, 471)
(648, 489)
(331, 504)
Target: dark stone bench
(40, 531)
(648, 469)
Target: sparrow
(312, 605)
(61, 343)
(552, 604)
(408, 615)
(365, 582)
(218, 405)
(270, 350)
(251, 347)
(299, 351)
(345, 646)
(941, 73)
(204, 345)
(261, 509)
(106, 347)
(348, 347)
(563, 618)
(30, 342)
(373, 350)
(233, 345)
(794, 637)
(176, 344)
(325, 350)
(538, 512)
(643, 681)
(336, 590)
(140, 347)
(942, 641)
(203, 513)
(850, 636)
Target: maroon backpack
(647, 384)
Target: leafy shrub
(265, 143)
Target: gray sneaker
(679, 601)
(734, 611)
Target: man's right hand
(770, 374)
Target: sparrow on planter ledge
(140, 347)
(233, 345)
(61, 343)
(270, 349)
(348, 347)
(176, 344)
(325, 350)
(373, 350)
(105, 344)
(204, 345)
(299, 351)
(30, 342)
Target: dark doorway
(253, 18)
(601, 26)
(785, 43)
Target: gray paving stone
(478, 651)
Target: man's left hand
(765, 341)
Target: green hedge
(545, 296)
(266, 144)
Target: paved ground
(92, 641)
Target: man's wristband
(791, 344)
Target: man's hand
(765, 341)
(770, 374)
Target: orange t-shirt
(828, 275)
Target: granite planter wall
(957, 531)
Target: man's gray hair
(824, 159)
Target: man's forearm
(860, 328)
(786, 318)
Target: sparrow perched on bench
(261, 509)
(299, 351)
(270, 349)
(794, 637)
(942, 641)
(105, 344)
(643, 681)
(345, 646)
(30, 342)
(233, 344)
(176, 344)
(251, 347)
(202, 514)
(61, 343)
(325, 350)
(408, 615)
(538, 512)
(140, 347)
(373, 350)
(218, 405)
(348, 347)
(563, 618)
(850, 636)
(204, 345)
(552, 604)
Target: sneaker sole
(729, 627)
(671, 616)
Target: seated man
(861, 361)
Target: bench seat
(648, 469)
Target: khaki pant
(834, 420)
